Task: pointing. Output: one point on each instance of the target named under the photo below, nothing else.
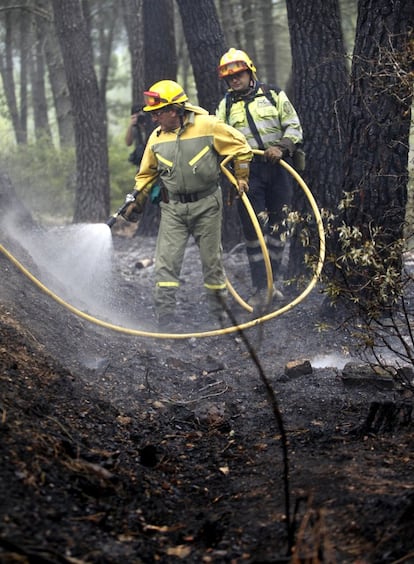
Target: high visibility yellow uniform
(187, 162)
(273, 121)
(270, 188)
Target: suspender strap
(253, 127)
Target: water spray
(216, 332)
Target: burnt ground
(118, 448)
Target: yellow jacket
(188, 159)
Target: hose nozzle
(112, 220)
(128, 200)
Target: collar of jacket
(246, 96)
(188, 120)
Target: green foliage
(369, 282)
(43, 177)
(122, 173)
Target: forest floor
(126, 448)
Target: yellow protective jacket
(273, 122)
(188, 160)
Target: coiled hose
(215, 332)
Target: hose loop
(215, 332)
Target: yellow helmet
(235, 61)
(163, 93)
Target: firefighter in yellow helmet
(268, 120)
(184, 153)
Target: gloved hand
(273, 154)
(132, 208)
(241, 172)
(131, 213)
(242, 186)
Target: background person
(137, 133)
(269, 122)
(184, 152)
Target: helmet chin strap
(251, 89)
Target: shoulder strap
(229, 103)
(267, 91)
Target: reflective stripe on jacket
(188, 160)
(272, 122)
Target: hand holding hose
(131, 211)
(126, 209)
(242, 186)
(241, 172)
(273, 154)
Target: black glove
(287, 146)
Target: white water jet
(74, 259)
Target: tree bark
(160, 56)
(92, 182)
(379, 116)
(37, 75)
(134, 27)
(24, 65)
(320, 92)
(376, 165)
(107, 19)
(269, 62)
(229, 22)
(57, 78)
(206, 45)
(6, 71)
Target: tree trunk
(228, 17)
(206, 45)
(37, 75)
(248, 19)
(24, 65)
(134, 27)
(107, 19)
(160, 56)
(379, 116)
(57, 78)
(6, 71)
(269, 62)
(320, 89)
(92, 183)
(160, 63)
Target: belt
(186, 198)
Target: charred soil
(116, 448)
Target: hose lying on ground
(215, 332)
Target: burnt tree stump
(387, 416)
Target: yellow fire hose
(215, 332)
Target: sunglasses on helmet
(154, 99)
(232, 68)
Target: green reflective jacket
(273, 122)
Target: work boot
(167, 323)
(220, 319)
(259, 298)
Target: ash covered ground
(125, 448)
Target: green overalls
(188, 163)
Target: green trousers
(203, 221)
